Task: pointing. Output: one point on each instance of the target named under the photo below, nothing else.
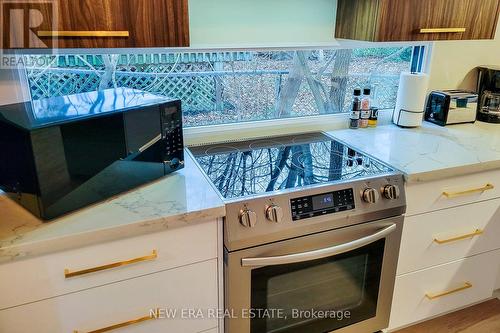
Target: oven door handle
(319, 254)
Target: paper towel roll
(410, 103)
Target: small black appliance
(488, 88)
(63, 153)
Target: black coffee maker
(488, 89)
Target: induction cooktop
(249, 168)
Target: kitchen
(254, 206)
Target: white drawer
(411, 305)
(428, 196)
(188, 287)
(42, 277)
(434, 238)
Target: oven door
(340, 280)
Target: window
(226, 87)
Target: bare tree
(339, 79)
(327, 100)
(286, 97)
(108, 77)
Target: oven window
(317, 296)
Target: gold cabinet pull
(441, 30)
(75, 33)
(486, 187)
(432, 296)
(476, 232)
(68, 274)
(120, 325)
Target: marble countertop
(423, 154)
(180, 198)
(430, 152)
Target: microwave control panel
(322, 204)
(172, 135)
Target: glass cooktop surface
(248, 168)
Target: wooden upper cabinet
(416, 20)
(105, 24)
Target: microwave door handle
(319, 254)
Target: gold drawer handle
(441, 30)
(476, 232)
(431, 296)
(152, 256)
(486, 187)
(124, 324)
(74, 33)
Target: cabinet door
(416, 20)
(437, 20)
(424, 197)
(483, 16)
(44, 277)
(110, 24)
(439, 237)
(430, 292)
(126, 305)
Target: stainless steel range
(311, 234)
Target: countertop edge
(96, 236)
(422, 177)
(437, 169)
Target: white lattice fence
(214, 87)
(157, 73)
(48, 83)
(198, 93)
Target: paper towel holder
(408, 118)
(410, 102)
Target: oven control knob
(274, 213)
(248, 218)
(391, 192)
(370, 195)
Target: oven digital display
(326, 203)
(322, 201)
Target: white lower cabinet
(189, 287)
(427, 293)
(450, 248)
(450, 234)
(43, 277)
(452, 192)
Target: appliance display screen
(321, 204)
(323, 201)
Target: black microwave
(63, 153)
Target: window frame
(262, 128)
